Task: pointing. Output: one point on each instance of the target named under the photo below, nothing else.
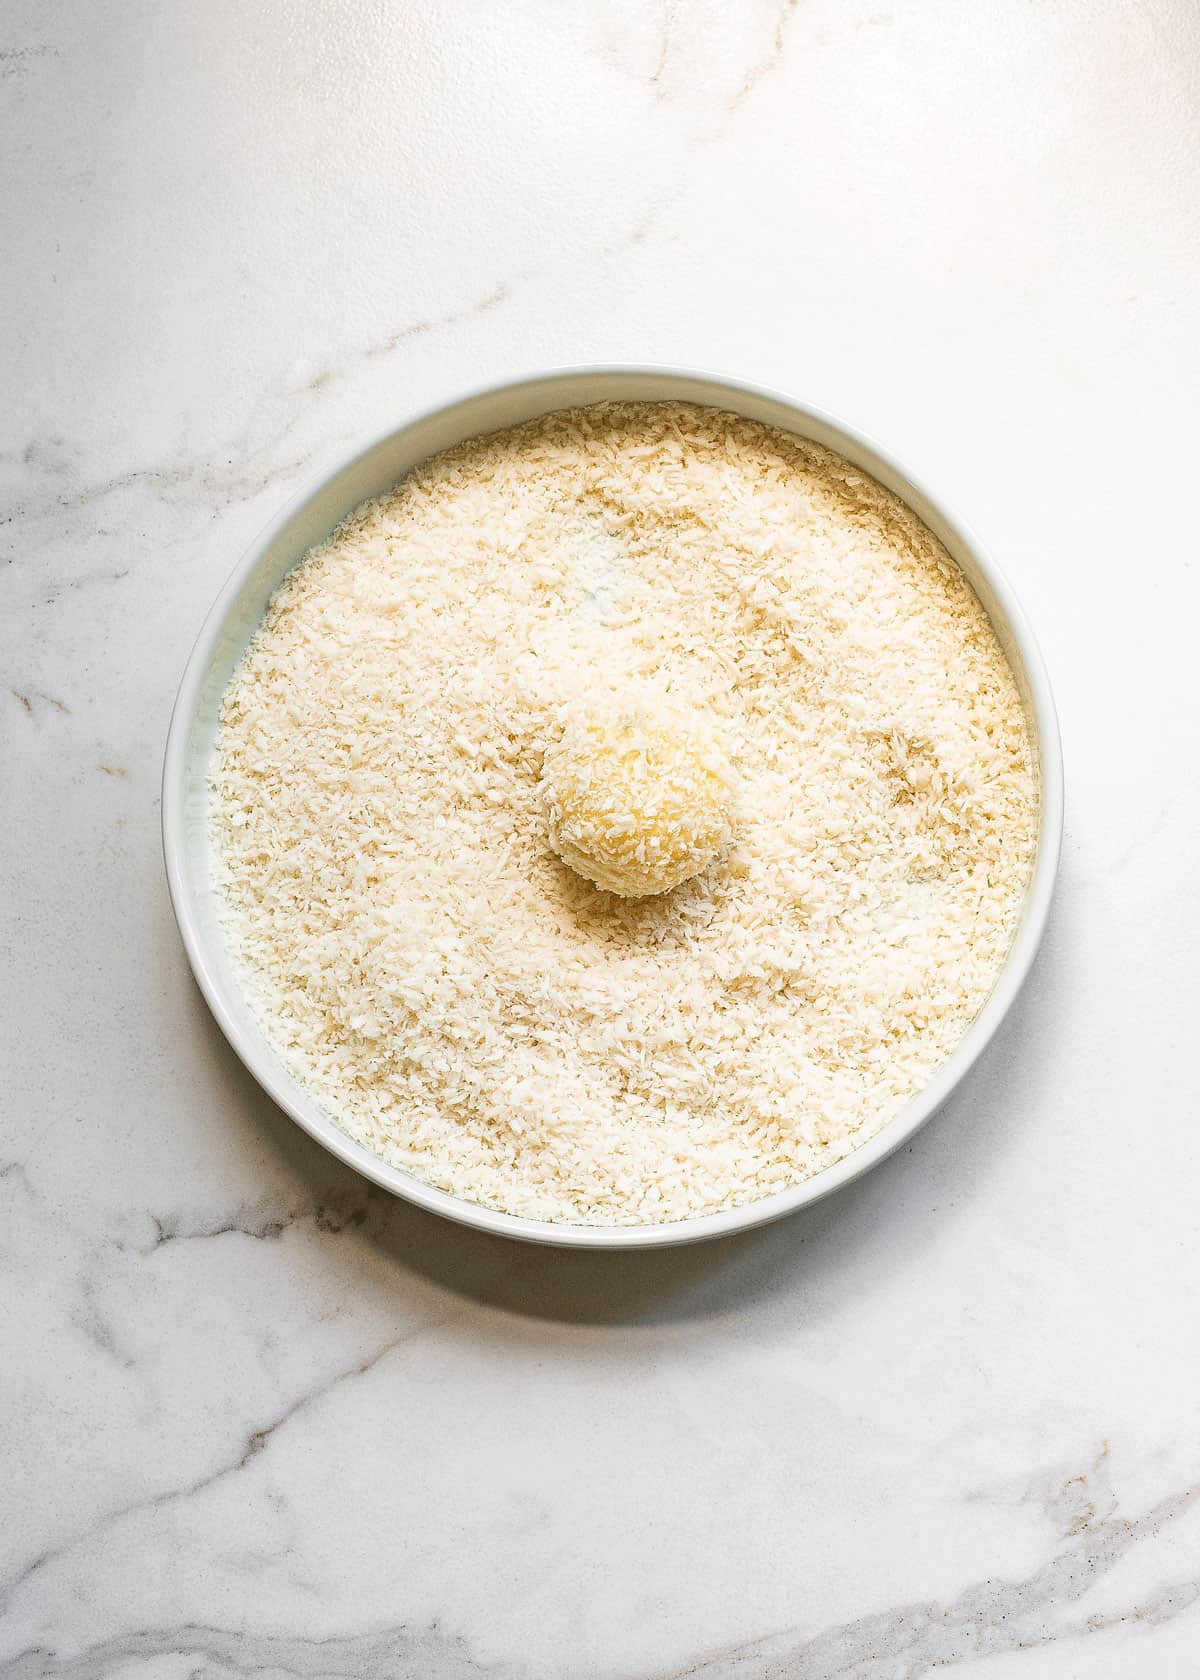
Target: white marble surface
(255, 1418)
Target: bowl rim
(287, 1092)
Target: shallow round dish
(371, 471)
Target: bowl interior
(310, 519)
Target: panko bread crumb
(475, 1011)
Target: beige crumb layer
(471, 1008)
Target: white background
(258, 1419)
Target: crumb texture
(478, 1013)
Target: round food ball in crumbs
(637, 796)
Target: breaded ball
(638, 795)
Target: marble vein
(34, 698)
(18, 1173)
(202, 473)
(19, 61)
(987, 1618)
(233, 471)
(418, 329)
(770, 61)
(90, 1318)
(665, 26)
(665, 201)
(1148, 836)
(399, 1653)
(266, 1221)
(252, 1445)
(386, 346)
(248, 1221)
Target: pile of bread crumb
(383, 782)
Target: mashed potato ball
(638, 795)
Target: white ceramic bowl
(369, 472)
